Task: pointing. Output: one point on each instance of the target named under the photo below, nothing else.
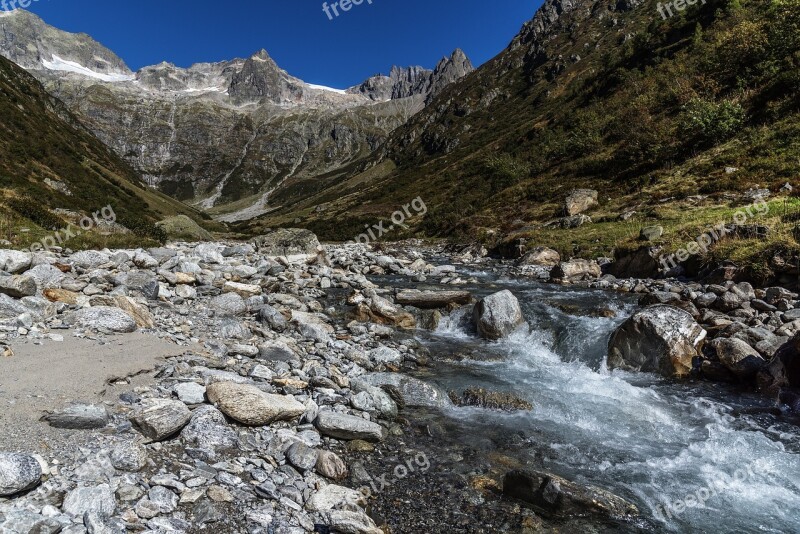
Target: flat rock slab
(251, 406)
(348, 427)
(47, 377)
(80, 417)
(432, 299)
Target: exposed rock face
(219, 132)
(554, 496)
(18, 472)
(658, 339)
(498, 315)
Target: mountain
(664, 116)
(51, 162)
(220, 135)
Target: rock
(80, 417)
(209, 253)
(331, 466)
(575, 221)
(183, 228)
(143, 283)
(208, 429)
(276, 351)
(287, 242)
(251, 406)
(243, 290)
(651, 233)
(557, 497)
(14, 261)
(159, 419)
(190, 393)
(497, 315)
(580, 200)
(640, 263)
(18, 473)
(783, 370)
(348, 427)
(89, 259)
(129, 456)
(386, 356)
(348, 522)
(102, 317)
(576, 271)
(737, 356)
(17, 286)
(541, 257)
(301, 456)
(381, 311)
(492, 400)
(432, 299)
(46, 276)
(141, 314)
(98, 499)
(312, 326)
(228, 304)
(272, 317)
(660, 339)
(332, 496)
(412, 392)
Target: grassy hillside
(50, 162)
(655, 114)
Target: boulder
(352, 522)
(102, 317)
(251, 406)
(541, 257)
(410, 391)
(348, 427)
(576, 271)
(140, 313)
(129, 456)
(556, 497)
(208, 429)
(783, 370)
(312, 326)
(580, 200)
(575, 221)
(497, 315)
(46, 276)
(88, 259)
(18, 473)
(651, 233)
(737, 356)
(429, 300)
(17, 286)
(272, 317)
(660, 339)
(228, 304)
(301, 456)
(90, 499)
(80, 417)
(159, 419)
(331, 466)
(14, 261)
(641, 263)
(287, 242)
(243, 290)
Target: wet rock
(251, 406)
(492, 400)
(17, 286)
(413, 392)
(129, 456)
(331, 466)
(79, 417)
(348, 427)
(18, 473)
(580, 200)
(497, 315)
(103, 317)
(783, 370)
(660, 339)
(557, 497)
(98, 499)
(159, 419)
(576, 271)
(432, 299)
(737, 356)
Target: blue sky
(341, 52)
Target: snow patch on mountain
(63, 65)
(325, 88)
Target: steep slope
(220, 135)
(607, 95)
(50, 161)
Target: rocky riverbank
(290, 391)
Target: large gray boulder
(348, 427)
(576, 271)
(17, 286)
(14, 261)
(159, 419)
(79, 417)
(411, 391)
(102, 317)
(497, 315)
(658, 339)
(251, 406)
(737, 356)
(98, 499)
(287, 242)
(18, 472)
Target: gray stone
(14, 261)
(737, 356)
(251, 406)
(302, 456)
(413, 392)
(102, 317)
(17, 286)
(576, 271)
(580, 200)
(18, 473)
(228, 304)
(98, 499)
(272, 317)
(432, 299)
(208, 429)
(79, 416)
(348, 427)
(497, 315)
(331, 466)
(159, 419)
(129, 456)
(190, 393)
(352, 522)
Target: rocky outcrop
(540, 257)
(579, 201)
(497, 315)
(658, 339)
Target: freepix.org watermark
(419, 464)
(11, 5)
(332, 9)
(398, 218)
(105, 216)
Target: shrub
(505, 170)
(37, 213)
(708, 122)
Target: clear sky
(302, 39)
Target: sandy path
(49, 376)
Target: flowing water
(650, 440)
